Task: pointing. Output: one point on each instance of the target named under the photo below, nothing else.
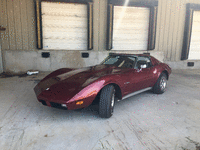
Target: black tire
(106, 102)
(161, 84)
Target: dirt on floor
(168, 121)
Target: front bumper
(59, 100)
(52, 104)
(62, 104)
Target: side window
(111, 60)
(143, 61)
(128, 62)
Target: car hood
(75, 80)
(82, 75)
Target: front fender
(89, 93)
(114, 81)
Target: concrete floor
(146, 121)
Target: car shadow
(92, 111)
(92, 108)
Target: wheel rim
(112, 101)
(163, 83)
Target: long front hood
(86, 73)
(70, 83)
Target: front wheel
(107, 100)
(161, 84)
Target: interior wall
(19, 38)
(18, 17)
(170, 27)
(1, 62)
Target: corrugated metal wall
(170, 27)
(18, 17)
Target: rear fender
(162, 69)
(158, 72)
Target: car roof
(125, 54)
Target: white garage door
(130, 29)
(194, 52)
(64, 26)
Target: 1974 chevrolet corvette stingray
(118, 77)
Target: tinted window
(111, 60)
(120, 61)
(143, 60)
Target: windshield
(120, 61)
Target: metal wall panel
(31, 24)
(96, 24)
(18, 19)
(24, 25)
(170, 27)
(175, 22)
(130, 30)
(102, 24)
(64, 26)
(180, 22)
(11, 25)
(4, 22)
(20, 33)
(1, 63)
(17, 25)
(166, 8)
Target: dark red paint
(68, 86)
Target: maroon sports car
(118, 77)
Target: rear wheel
(107, 100)
(161, 84)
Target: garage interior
(47, 35)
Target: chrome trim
(112, 101)
(126, 82)
(137, 92)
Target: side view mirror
(143, 66)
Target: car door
(141, 77)
(125, 81)
(127, 69)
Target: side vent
(85, 55)
(45, 54)
(190, 64)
